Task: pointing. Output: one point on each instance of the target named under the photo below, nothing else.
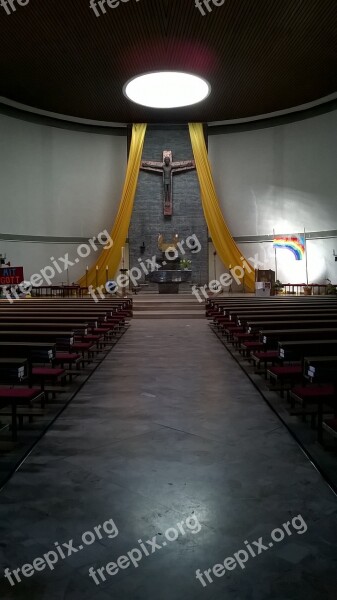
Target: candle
(96, 267)
(122, 252)
(87, 268)
(107, 267)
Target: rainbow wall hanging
(294, 243)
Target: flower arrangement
(185, 264)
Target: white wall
(282, 178)
(56, 182)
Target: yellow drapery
(112, 256)
(224, 244)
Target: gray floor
(168, 428)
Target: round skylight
(167, 89)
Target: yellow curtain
(224, 244)
(112, 256)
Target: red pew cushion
(21, 393)
(267, 354)
(67, 356)
(47, 372)
(312, 391)
(82, 346)
(289, 370)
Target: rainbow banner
(295, 243)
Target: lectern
(264, 282)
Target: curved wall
(58, 183)
(66, 185)
(282, 178)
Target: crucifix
(167, 169)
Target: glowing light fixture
(167, 89)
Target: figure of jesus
(167, 168)
(167, 172)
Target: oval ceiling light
(167, 89)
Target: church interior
(168, 299)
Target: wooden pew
(60, 337)
(13, 368)
(270, 338)
(240, 318)
(76, 328)
(296, 351)
(299, 326)
(321, 366)
(322, 370)
(270, 304)
(13, 371)
(312, 323)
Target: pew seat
(47, 372)
(19, 393)
(68, 358)
(285, 371)
(84, 348)
(310, 394)
(249, 347)
(266, 357)
(48, 375)
(285, 375)
(17, 396)
(312, 391)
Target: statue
(164, 247)
(167, 169)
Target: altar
(169, 280)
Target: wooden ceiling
(259, 56)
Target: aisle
(168, 430)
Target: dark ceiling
(258, 55)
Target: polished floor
(168, 431)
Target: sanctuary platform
(167, 306)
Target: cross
(167, 169)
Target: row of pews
(292, 343)
(46, 344)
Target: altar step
(162, 306)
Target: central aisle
(167, 428)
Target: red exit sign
(11, 275)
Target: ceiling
(259, 56)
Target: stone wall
(148, 219)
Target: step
(169, 306)
(166, 314)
